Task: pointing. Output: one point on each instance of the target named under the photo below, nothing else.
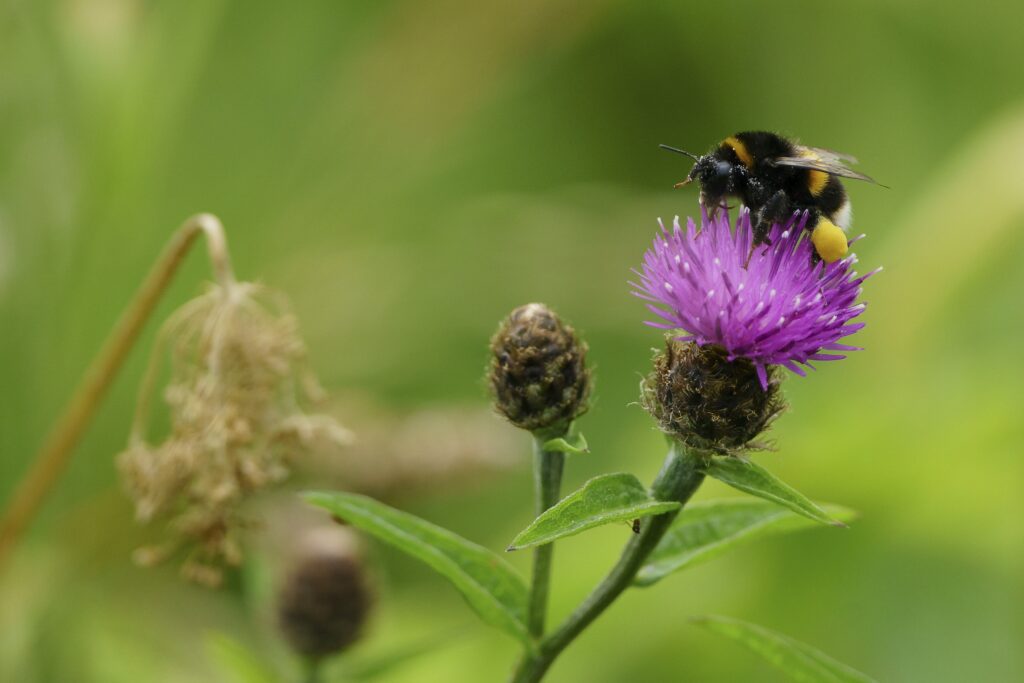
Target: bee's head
(712, 172)
(714, 175)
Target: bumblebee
(774, 176)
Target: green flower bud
(538, 372)
(708, 402)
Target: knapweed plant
(736, 315)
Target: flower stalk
(680, 477)
(53, 457)
(540, 383)
(547, 479)
(312, 673)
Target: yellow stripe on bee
(741, 151)
(829, 241)
(816, 180)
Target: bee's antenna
(681, 151)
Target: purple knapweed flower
(780, 308)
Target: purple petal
(777, 309)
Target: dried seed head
(708, 402)
(324, 601)
(237, 381)
(538, 372)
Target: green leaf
(707, 529)
(572, 444)
(602, 500)
(798, 661)
(486, 581)
(237, 663)
(751, 478)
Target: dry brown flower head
(238, 383)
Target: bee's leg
(776, 210)
(760, 229)
(756, 193)
(812, 221)
(750, 254)
(713, 205)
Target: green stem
(312, 673)
(679, 478)
(547, 481)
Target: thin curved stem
(52, 458)
(547, 471)
(312, 671)
(680, 477)
(147, 387)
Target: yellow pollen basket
(829, 241)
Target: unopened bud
(538, 372)
(324, 601)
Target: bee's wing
(831, 165)
(831, 154)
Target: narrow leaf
(707, 529)
(573, 444)
(798, 661)
(751, 478)
(487, 582)
(237, 663)
(602, 500)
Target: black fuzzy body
(771, 192)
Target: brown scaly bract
(708, 402)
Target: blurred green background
(410, 171)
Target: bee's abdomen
(817, 181)
(843, 216)
(830, 196)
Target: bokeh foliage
(409, 172)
